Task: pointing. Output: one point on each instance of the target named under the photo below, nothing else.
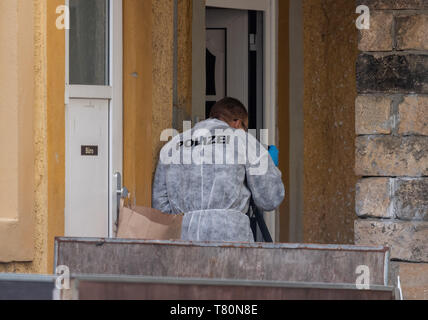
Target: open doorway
(238, 42)
(234, 59)
(234, 62)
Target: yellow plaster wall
(138, 84)
(148, 50)
(148, 108)
(148, 90)
(48, 136)
(55, 80)
(8, 109)
(29, 25)
(163, 46)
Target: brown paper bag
(148, 224)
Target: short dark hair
(229, 109)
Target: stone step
(26, 287)
(146, 288)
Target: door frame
(270, 9)
(114, 93)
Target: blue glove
(274, 153)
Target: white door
(93, 116)
(227, 55)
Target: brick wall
(392, 130)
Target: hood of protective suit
(209, 173)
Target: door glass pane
(89, 45)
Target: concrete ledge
(148, 288)
(237, 261)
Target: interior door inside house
(90, 119)
(234, 60)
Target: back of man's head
(229, 110)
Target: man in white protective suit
(210, 172)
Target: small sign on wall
(89, 151)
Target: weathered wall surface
(392, 142)
(330, 52)
(163, 47)
(183, 95)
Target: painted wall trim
(116, 106)
(271, 92)
(296, 121)
(87, 92)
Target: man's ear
(235, 124)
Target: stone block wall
(392, 134)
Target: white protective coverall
(209, 173)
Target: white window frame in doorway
(114, 93)
(270, 9)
